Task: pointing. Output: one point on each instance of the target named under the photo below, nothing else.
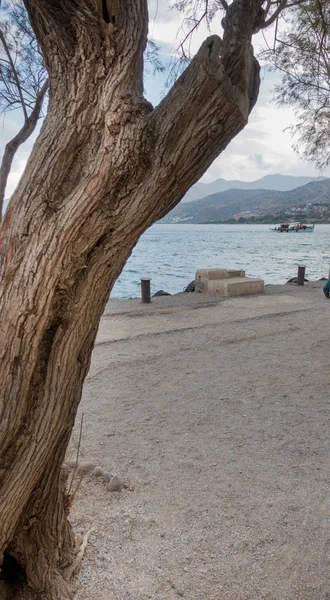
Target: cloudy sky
(262, 148)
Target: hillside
(280, 183)
(235, 203)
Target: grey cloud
(259, 161)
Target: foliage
(302, 55)
(22, 70)
(196, 12)
(151, 58)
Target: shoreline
(244, 222)
(171, 255)
(268, 285)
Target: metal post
(301, 275)
(145, 290)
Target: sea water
(171, 254)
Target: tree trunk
(104, 168)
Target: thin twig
(71, 498)
(15, 74)
(77, 457)
(196, 25)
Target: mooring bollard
(145, 290)
(301, 275)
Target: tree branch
(12, 146)
(201, 114)
(206, 108)
(193, 28)
(15, 74)
(275, 14)
(71, 33)
(62, 27)
(282, 5)
(130, 36)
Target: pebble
(106, 476)
(240, 544)
(98, 472)
(84, 576)
(84, 468)
(115, 484)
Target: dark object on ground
(326, 289)
(323, 279)
(161, 293)
(190, 287)
(294, 280)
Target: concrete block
(227, 282)
(236, 286)
(204, 276)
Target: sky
(262, 148)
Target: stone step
(204, 276)
(235, 286)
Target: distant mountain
(234, 202)
(280, 183)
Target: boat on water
(294, 227)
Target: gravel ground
(214, 413)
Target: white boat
(294, 227)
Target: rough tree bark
(106, 166)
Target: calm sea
(170, 255)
